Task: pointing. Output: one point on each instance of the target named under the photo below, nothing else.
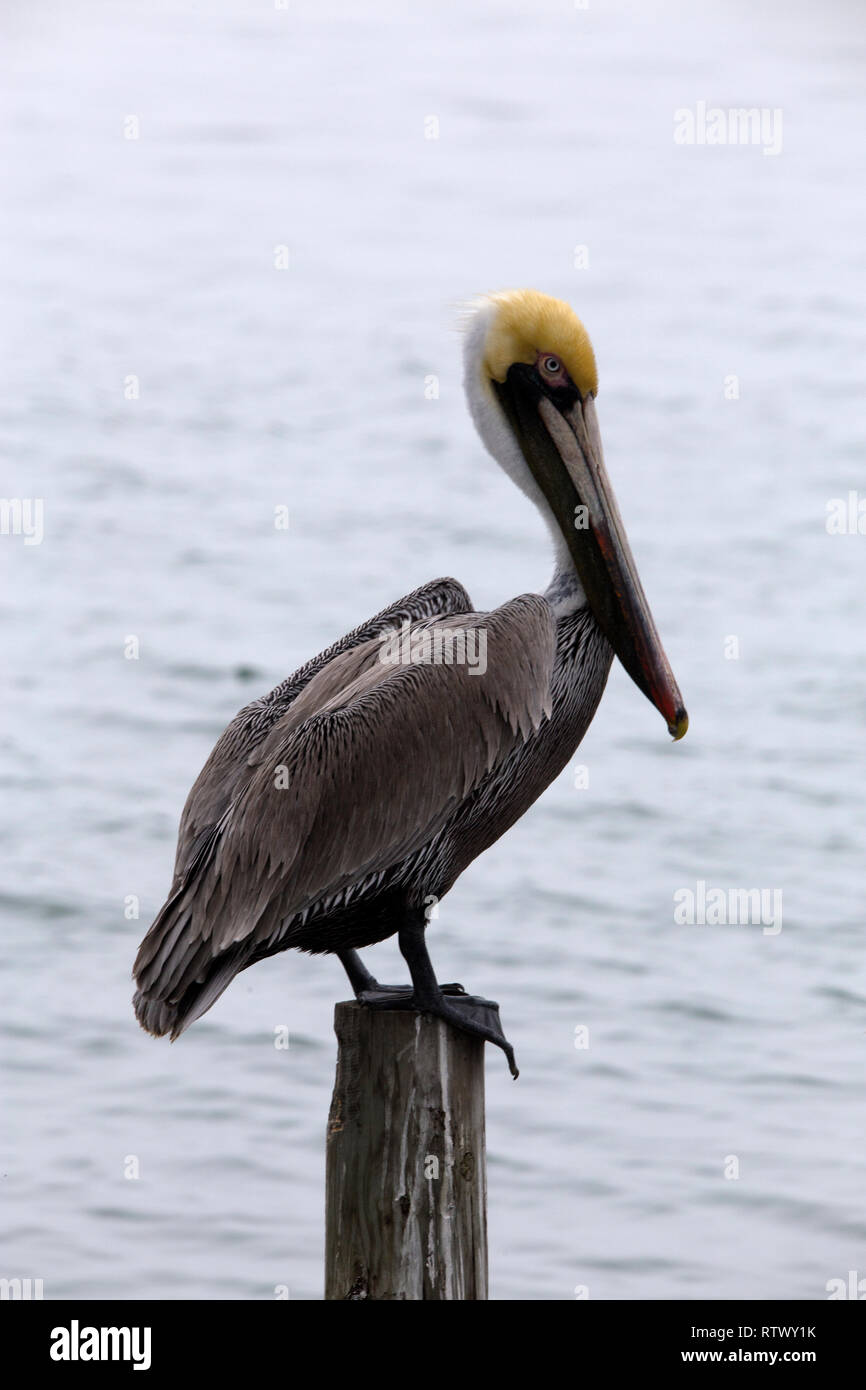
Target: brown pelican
(334, 810)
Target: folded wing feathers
(223, 773)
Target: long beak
(563, 449)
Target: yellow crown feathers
(527, 323)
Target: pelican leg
(363, 982)
(359, 976)
(467, 1012)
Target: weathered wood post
(406, 1178)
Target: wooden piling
(406, 1179)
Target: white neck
(564, 593)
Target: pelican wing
(365, 767)
(225, 770)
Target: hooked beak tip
(680, 726)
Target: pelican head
(531, 383)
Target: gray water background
(305, 387)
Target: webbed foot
(467, 1012)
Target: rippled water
(153, 258)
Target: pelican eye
(552, 366)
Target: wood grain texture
(406, 1213)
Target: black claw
(479, 1018)
(470, 1014)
